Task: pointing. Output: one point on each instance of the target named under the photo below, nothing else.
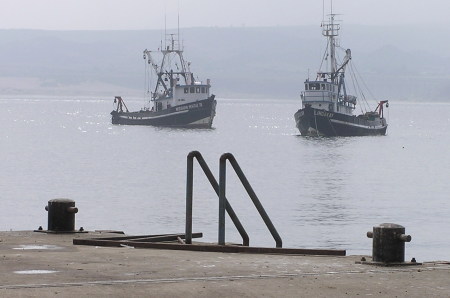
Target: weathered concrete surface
(41, 265)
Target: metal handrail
(223, 201)
(215, 185)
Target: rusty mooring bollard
(61, 215)
(388, 243)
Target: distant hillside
(397, 63)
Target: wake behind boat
(178, 99)
(327, 109)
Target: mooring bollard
(61, 215)
(388, 243)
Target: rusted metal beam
(206, 247)
(144, 238)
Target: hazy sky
(149, 14)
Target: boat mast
(172, 47)
(331, 30)
(172, 54)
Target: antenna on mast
(165, 26)
(178, 18)
(179, 47)
(323, 11)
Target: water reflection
(324, 181)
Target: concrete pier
(43, 265)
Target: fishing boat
(327, 108)
(177, 100)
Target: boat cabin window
(203, 90)
(322, 86)
(197, 90)
(306, 86)
(186, 90)
(192, 90)
(314, 86)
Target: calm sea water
(319, 192)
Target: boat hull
(199, 114)
(315, 122)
